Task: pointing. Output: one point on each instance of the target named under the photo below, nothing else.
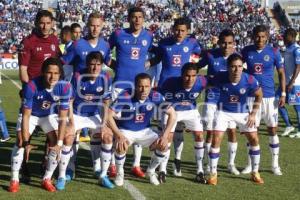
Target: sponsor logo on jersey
(176, 61)
(266, 58)
(144, 43)
(233, 98)
(139, 118)
(135, 53)
(258, 68)
(185, 49)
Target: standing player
(129, 119)
(183, 92)
(45, 104)
(261, 59)
(132, 46)
(291, 58)
(216, 60)
(173, 53)
(92, 94)
(76, 31)
(235, 86)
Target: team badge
(185, 49)
(135, 53)
(46, 105)
(144, 43)
(52, 47)
(266, 58)
(99, 89)
(176, 60)
(149, 107)
(242, 90)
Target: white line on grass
(14, 82)
(133, 191)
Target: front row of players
(126, 121)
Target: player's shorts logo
(135, 53)
(266, 58)
(52, 47)
(144, 43)
(176, 60)
(185, 49)
(242, 90)
(258, 68)
(233, 99)
(139, 118)
(46, 105)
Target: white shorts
(190, 118)
(208, 113)
(47, 124)
(268, 111)
(91, 122)
(223, 119)
(143, 137)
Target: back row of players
(233, 98)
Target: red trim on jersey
(251, 79)
(32, 86)
(66, 88)
(203, 81)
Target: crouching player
(129, 119)
(183, 92)
(90, 105)
(45, 104)
(235, 86)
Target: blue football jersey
(89, 95)
(131, 54)
(291, 58)
(136, 115)
(77, 52)
(174, 55)
(261, 65)
(43, 101)
(181, 98)
(233, 97)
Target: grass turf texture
(85, 186)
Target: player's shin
(17, 156)
(95, 144)
(106, 152)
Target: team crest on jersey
(149, 107)
(185, 49)
(242, 90)
(52, 47)
(233, 98)
(266, 58)
(144, 43)
(99, 89)
(135, 53)
(176, 60)
(46, 105)
(139, 118)
(196, 94)
(258, 68)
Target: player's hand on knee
(28, 149)
(251, 120)
(121, 144)
(162, 143)
(57, 150)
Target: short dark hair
(94, 55)
(292, 32)
(189, 66)
(226, 33)
(65, 29)
(141, 76)
(134, 10)
(40, 14)
(53, 61)
(260, 28)
(234, 57)
(182, 21)
(74, 25)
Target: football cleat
(287, 131)
(296, 135)
(162, 177)
(70, 175)
(112, 171)
(247, 170)
(60, 184)
(200, 178)
(97, 174)
(276, 171)
(233, 170)
(5, 139)
(47, 185)
(14, 186)
(177, 167)
(153, 178)
(255, 177)
(105, 182)
(25, 173)
(212, 179)
(138, 172)
(119, 181)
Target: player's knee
(107, 138)
(198, 136)
(52, 138)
